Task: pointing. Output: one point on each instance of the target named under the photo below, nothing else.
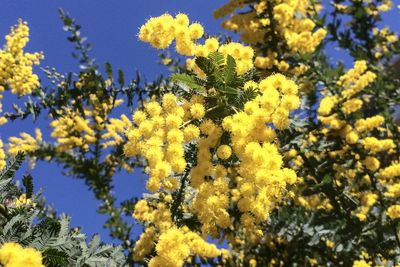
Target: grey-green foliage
(222, 87)
(32, 225)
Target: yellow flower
(14, 255)
(361, 263)
(2, 156)
(224, 152)
(393, 212)
(26, 143)
(372, 163)
(191, 132)
(352, 138)
(22, 200)
(161, 31)
(197, 111)
(19, 74)
(329, 243)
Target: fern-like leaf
(206, 65)
(189, 81)
(27, 181)
(217, 58)
(229, 70)
(54, 257)
(12, 167)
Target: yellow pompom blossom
(394, 212)
(191, 132)
(352, 105)
(372, 163)
(352, 137)
(361, 263)
(15, 65)
(145, 244)
(14, 255)
(314, 202)
(161, 31)
(297, 29)
(2, 156)
(352, 82)
(197, 111)
(26, 143)
(371, 7)
(250, 85)
(367, 201)
(386, 41)
(224, 152)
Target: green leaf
(54, 257)
(12, 166)
(217, 58)
(243, 97)
(229, 70)
(206, 65)
(27, 181)
(109, 70)
(64, 225)
(327, 179)
(94, 243)
(121, 78)
(228, 90)
(187, 80)
(11, 226)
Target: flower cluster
(15, 65)
(368, 146)
(283, 26)
(372, 8)
(222, 176)
(353, 82)
(22, 200)
(14, 255)
(174, 244)
(158, 136)
(385, 41)
(293, 23)
(161, 31)
(26, 143)
(394, 211)
(74, 130)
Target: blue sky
(112, 27)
